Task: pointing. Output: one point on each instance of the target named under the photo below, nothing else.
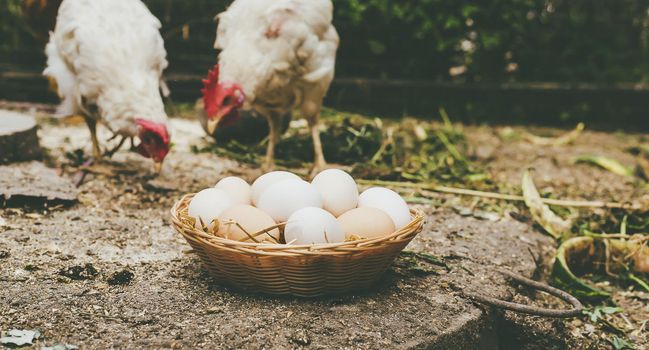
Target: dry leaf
(556, 141)
(609, 164)
(575, 249)
(600, 256)
(551, 222)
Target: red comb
(159, 129)
(210, 85)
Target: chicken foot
(109, 153)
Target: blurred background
(524, 61)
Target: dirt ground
(110, 272)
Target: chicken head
(154, 141)
(222, 100)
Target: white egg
(388, 201)
(207, 205)
(265, 181)
(238, 189)
(338, 189)
(286, 197)
(313, 225)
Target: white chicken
(106, 58)
(276, 56)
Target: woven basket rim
(181, 222)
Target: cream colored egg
(313, 226)
(265, 181)
(207, 205)
(338, 189)
(252, 220)
(238, 189)
(366, 223)
(388, 201)
(284, 198)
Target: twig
(576, 310)
(257, 234)
(494, 195)
(613, 235)
(80, 175)
(384, 145)
(607, 259)
(244, 231)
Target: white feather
(290, 71)
(108, 54)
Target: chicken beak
(157, 167)
(211, 125)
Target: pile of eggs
(327, 210)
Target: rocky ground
(110, 272)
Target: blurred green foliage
(489, 41)
(496, 40)
(13, 30)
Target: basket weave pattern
(300, 270)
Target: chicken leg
(92, 125)
(273, 137)
(319, 162)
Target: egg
(284, 198)
(251, 219)
(265, 181)
(238, 189)
(207, 205)
(388, 201)
(366, 222)
(338, 189)
(313, 225)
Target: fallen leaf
(633, 250)
(614, 257)
(16, 337)
(551, 222)
(620, 343)
(570, 252)
(556, 141)
(609, 164)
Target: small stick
(509, 197)
(576, 310)
(80, 175)
(256, 234)
(244, 231)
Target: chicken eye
(227, 100)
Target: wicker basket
(300, 270)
